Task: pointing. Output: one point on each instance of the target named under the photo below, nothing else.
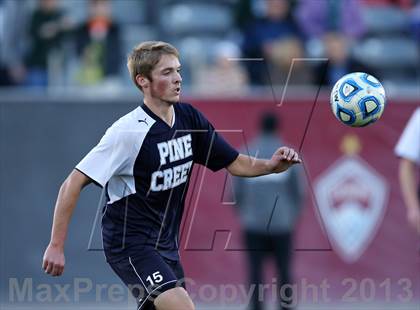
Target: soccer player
(144, 161)
(408, 150)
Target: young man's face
(166, 80)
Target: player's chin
(172, 99)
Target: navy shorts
(147, 275)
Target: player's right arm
(407, 176)
(53, 260)
(408, 150)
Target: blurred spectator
(280, 56)
(408, 149)
(336, 48)
(330, 27)
(319, 17)
(269, 207)
(276, 38)
(47, 28)
(415, 21)
(242, 13)
(225, 75)
(98, 45)
(246, 11)
(12, 70)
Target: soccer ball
(358, 99)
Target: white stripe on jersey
(112, 160)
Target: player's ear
(142, 81)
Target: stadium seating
(387, 47)
(190, 18)
(384, 20)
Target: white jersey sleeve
(408, 145)
(108, 158)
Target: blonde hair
(144, 57)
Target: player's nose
(178, 78)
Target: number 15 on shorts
(155, 278)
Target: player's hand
(413, 217)
(283, 158)
(53, 260)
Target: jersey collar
(155, 117)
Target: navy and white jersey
(145, 165)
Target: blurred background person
(330, 28)
(408, 150)
(274, 36)
(224, 75)
(415, 21)
(269, 208)
(336, 48)
(316, 18)
(98, 45)
(47, 28)
(12, 43)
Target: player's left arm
(247, 166)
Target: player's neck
(162, 109)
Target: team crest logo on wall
(352, 199)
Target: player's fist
(283, 158)
(53, 260)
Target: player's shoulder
(185, 108)
(132, 119)
(416, 114)
(413, 124)
(130, 124)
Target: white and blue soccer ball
(358, 99)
